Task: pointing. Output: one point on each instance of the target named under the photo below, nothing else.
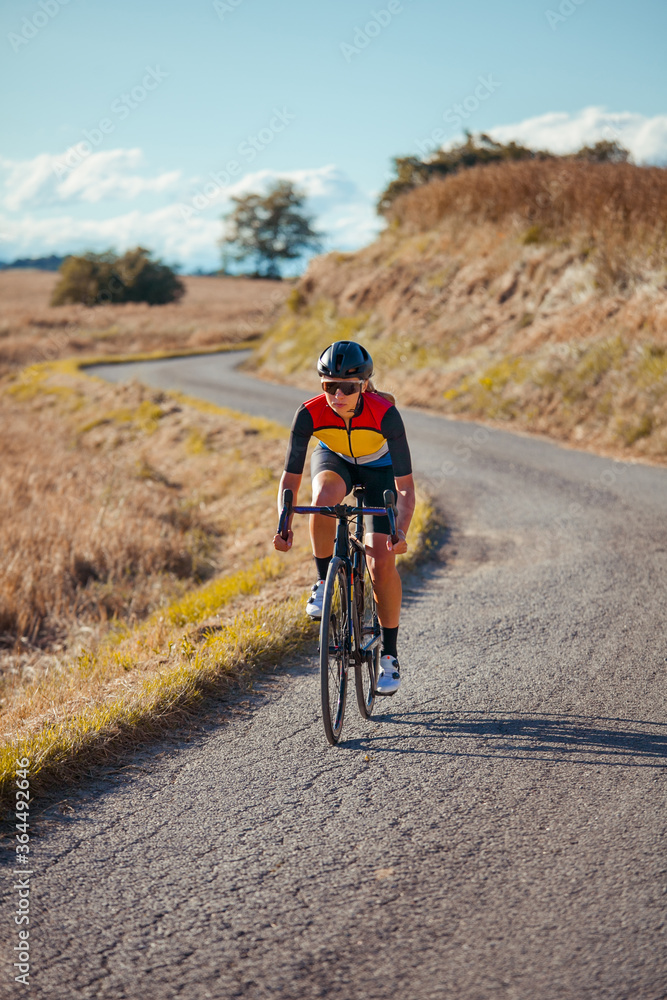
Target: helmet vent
(345, 359)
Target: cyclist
(361, 441)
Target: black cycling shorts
(375, 481)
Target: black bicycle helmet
(345, 359)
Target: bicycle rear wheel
(366, 672)
(334, 650)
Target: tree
(270, 228)
(99, 278)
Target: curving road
(494, 832)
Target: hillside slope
(531, 293)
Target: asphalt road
(496, 831)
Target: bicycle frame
(352, 635)
(354, 544)
(344, 541)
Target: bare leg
(387, 585)
(328, 488)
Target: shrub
(100, 278)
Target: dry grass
(607, 393)
(115, 498)
(617, 209)
(214, 311)
(610, 394)
(119, 660)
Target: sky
(135, 122)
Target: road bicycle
(349, 629)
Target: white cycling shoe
(315, 601)
(389, 678)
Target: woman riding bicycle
(361, 442)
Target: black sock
(322, 566)
(389, 638)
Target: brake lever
(390, 505)
(283, 524)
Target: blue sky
(134, 122)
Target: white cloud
(343, 212)
(102, 175)
(562, 132)
(161, 230)
(50, 179)
(24, 181)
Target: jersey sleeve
(300, 435)
(393, 429)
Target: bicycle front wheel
(366, 672)
(334, 650)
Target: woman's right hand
(282, 544)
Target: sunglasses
(347, 388)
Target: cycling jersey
(375, 434)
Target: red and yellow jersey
(374, 432)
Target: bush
(99, 278)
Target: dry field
(213, 312)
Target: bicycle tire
(366, 672)
(334, 650)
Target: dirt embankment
(530, 294)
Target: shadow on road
(576, 739)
